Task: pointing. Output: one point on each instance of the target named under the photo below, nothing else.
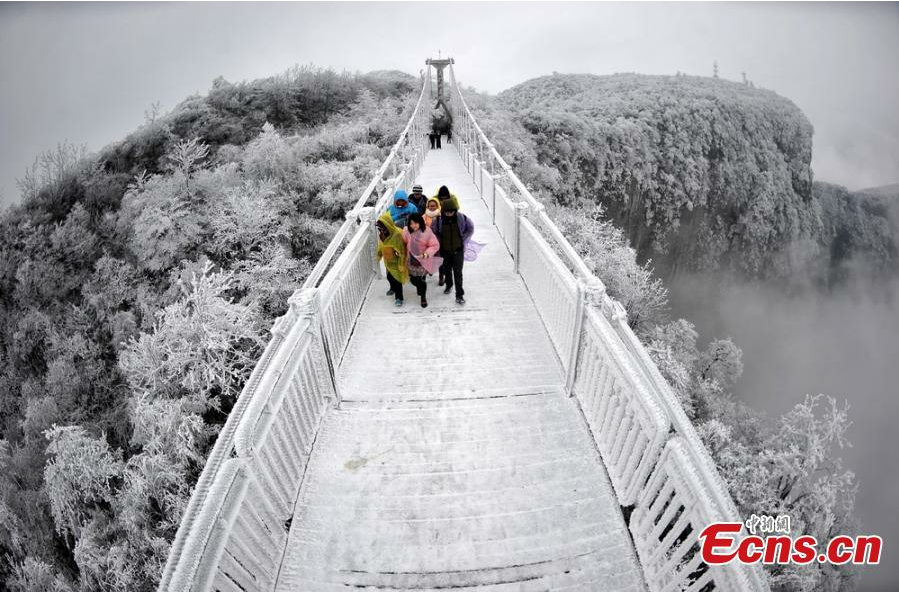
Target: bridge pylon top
(440, 62)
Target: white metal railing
(552, 287)
(655, 459)
(666, 523)
(504, 216)
(234, 531)
(628, 423)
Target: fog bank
(844, 344)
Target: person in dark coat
(418, 198)
(443, 194)
(453, 229)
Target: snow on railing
(234, 531)
(656, 461)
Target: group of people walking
(418, 236)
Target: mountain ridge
(703, 174)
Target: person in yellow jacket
(443, 195)
(432, 210)
(392, 249)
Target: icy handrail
(712, 483)
(224, 447)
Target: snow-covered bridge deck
(455, 459)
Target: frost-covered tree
(40, 415)
(186, 157)
(247, 217)
(202, 347)
(151, 113)
(97, 287)
(672, 346)
(36, 575)
(789, 468)
(76, 375)
(12, 527)
(268, 156)
(120, 515)
(721, 362)
(699, 173)
(52, 167)
(269, 276)
(80, 474)
(163, 230)
(810, 479)
(156, 486)
(606, 252)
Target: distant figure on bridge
(438, 134)
(453, 229)
(449, 135)
(422, 246)
(392, 249)
(401, 208)
(418, 198)
(433, 138)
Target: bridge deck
(456, 461)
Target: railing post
(613, 310)
(520, 209)
(222, 527)
(305, 304)
(589, 293)
(571, 370)
(493, 206)
(368, 215)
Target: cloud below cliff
(842, 344)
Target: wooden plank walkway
(456, 461)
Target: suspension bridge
(522, 442)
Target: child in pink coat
(421, 248)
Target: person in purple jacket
(453, 229)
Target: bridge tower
(439, 64)
(441, 125)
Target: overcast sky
(86, 72)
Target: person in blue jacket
(401, 208)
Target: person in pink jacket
(421, 248)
